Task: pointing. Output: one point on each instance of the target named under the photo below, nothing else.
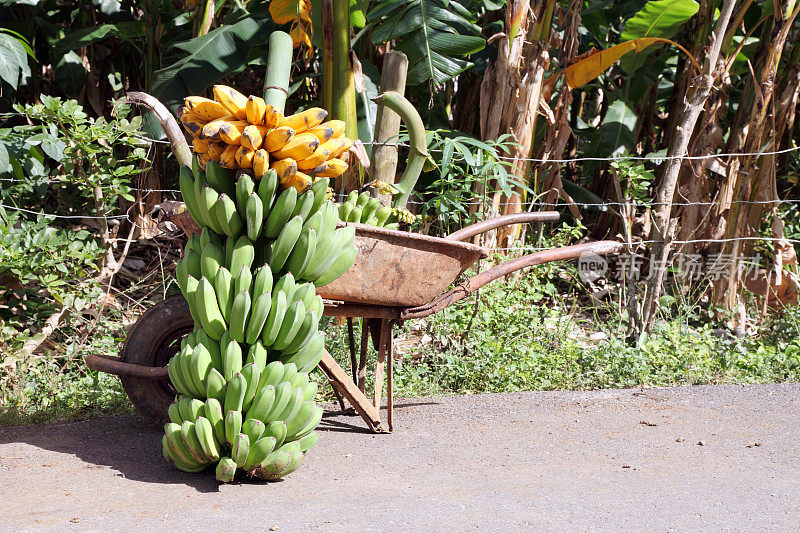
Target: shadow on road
(128, 444)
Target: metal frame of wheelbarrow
(380, 319)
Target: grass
(518, 334)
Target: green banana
(330, 220)
(292, 407)
(370, 208)
(205, 434)
(289, 372)
(382, 215)
(283, 394)
(284, 243)
(245, 186)
(262, 403)
(258, 355)
(267, 187)
(307, 330)
(303, 251)
(240, 312)
(186, 373)
(211, 259)
(300, 380)
(305, 292)
(310, 391)
(275, 463)
(219, 178)
(286, 284)
(243, 280)
(229, 245)
(280, 212)
(275, 318)
(324, 250)
(314, 221)
(208, 235)
(223, 286)
(295, 461)
(182, 274)
(259, 451)
(345, 210)
(189, 436)
(215, 385)
(253, 428)
(240, 449)
(174, 413)
(363, 199)
(320, 191)
(292, 321)
(192, 260)
(276, 430)
(204, 215)
(254, 216)
(308, 441)
(262, 284)
(208, 203)
(258, 317)
(305, 420)
(317, 306)
(226, 468)
(347, 234)
(243, 254)
(186, 184)
(199, 365)
(339, 267)
(213, 412)
(340, 236)
(356, 214)
(229, 220)
(235, 393)
(232, 361)
(176, 376)
(212, 346)
(251, 373)
(208, 309)
(176, 445)
(302, 208)
(233, 425)
(309, 356)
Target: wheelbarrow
(397, 276)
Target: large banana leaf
(220, 52)
(659, 18)
(434, 34)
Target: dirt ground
(716, 458)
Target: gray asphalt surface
(600, 460)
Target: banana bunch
(264, 424)
(245, 402)
(242, 132)
(298, 230)
(368, 210)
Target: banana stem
(279, 66)
(168, 123)
(418, 152)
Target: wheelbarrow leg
(390, 379)
(384, 339)
(351, 344)
(362, 363)
(357, 399)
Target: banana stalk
(418, 153)
(279, 64)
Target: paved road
(601, 460)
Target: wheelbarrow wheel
(152, 341)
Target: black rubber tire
(155, 338)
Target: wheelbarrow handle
(504, 220)
(503, 269)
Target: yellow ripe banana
(234, 101)
(215, 150)
(335, 167)
(260, 163)
(299, 147)
(285, 168)
(277, 138)
(272, 117)
(244, 157)
(192, 123)
(298, 180)
(211, 130)
(338, 145)
(255, 109)
(253, 136)
(231, 132)
(204, 108)
(306, 119)
(328, 130)
(227, 158)
(200, 146)
(320, 155)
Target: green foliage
(14, 52)
(434, 34)
(659, 18)
(461, 163)
(634, 179)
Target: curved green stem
(418, 152)
(279, 66)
